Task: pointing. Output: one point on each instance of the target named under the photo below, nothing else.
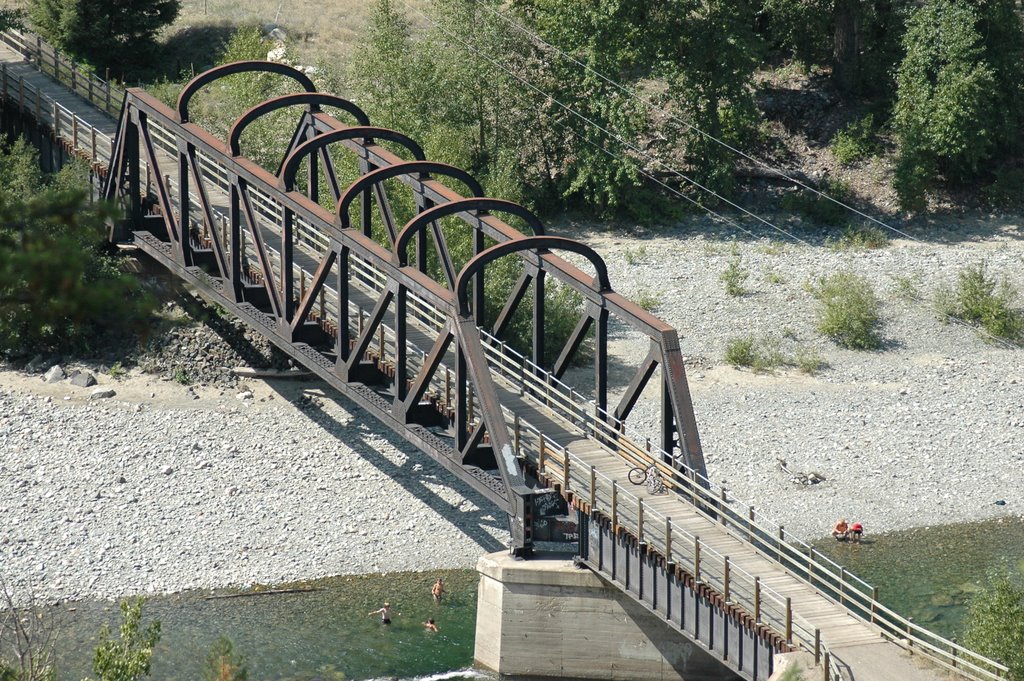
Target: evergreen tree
(101, 32)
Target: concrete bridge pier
(542, 619)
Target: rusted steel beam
(312, 100)
(286, 178)
(204, 204)
(261, 251)
(519, 290)
(366, 337)
(427, 371)
(316, 285)
(206, 77)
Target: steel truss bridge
(412, 345)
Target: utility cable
(622, 141)
(638, 97)
(946, 316)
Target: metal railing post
(817, 646)
(541, 456)
(725, 579)
(640, 519)
(696, 559)
(721, 508)
(615, 506)
(565, 472)
(668, 539)
(516, 435)
(789, 620)
(874, 600)
(828, 666)
(593, 488)
(757, 600)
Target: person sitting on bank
(429, 625)
(856, 532)
(841, 530)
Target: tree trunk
(846, 46)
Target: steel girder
(233, 260)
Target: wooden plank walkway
(858, 646)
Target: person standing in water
(429, 625)
(438, 590)
(384, 612)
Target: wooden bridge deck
(858, 646)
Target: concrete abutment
(546, 618)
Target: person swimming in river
(384, 612)
(438, 590)
(429, 625)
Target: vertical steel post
(696, 558)
(789, 619)
(726, 571)
(757, 600)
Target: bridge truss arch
(381, 331)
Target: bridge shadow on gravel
(471, 523)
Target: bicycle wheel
(637, 475)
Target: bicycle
(638, 475)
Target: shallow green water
(931, 574)
(324, 635)
(928, 574)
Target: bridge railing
(79, 79)
(707, 565)
(64, 122)
(742, 521)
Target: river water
(928, 574)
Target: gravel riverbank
(165, 487)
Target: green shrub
(818, 208)
(741, 351)
(1007, 190)
(862, 237)
(809, 361)
(906, 287)
(981, 300)
(849, 311)
(127, 657)
(635, 256)
(761, 355)
(647, 299)
(855, 141)
(224, 664)
(995, 625)
(773, 277)
(734, 277)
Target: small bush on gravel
(764, 355)
(734, 277)
(760, 355)
(981, 300)
(849, 311)
(647, 299)
(861, 238)
(809, 361)
(907, 288)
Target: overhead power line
(632, 147)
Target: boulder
(55, 374)
(102, 394)
(83, 379)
